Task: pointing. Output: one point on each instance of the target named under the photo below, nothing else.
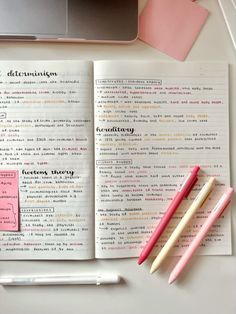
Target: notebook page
(46, 123)
(153, 123)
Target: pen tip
(140, 260)
(171, 280)
(152, 270)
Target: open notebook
(101, 147)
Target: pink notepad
(171, 26)
(9, 200)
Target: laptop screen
(33, 16)
(95, 20)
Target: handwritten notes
(151, 123)
(9, 202)
(154, 121)
(46, 122)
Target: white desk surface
(209, 286)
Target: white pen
(80, 279)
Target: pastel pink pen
(184, 190)
(214, 215)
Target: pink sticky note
(171, 26)
(9, 200)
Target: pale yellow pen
(197, 203)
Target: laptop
(69, 20)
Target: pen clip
(206, 198)
(190, 187)
(222, 210)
